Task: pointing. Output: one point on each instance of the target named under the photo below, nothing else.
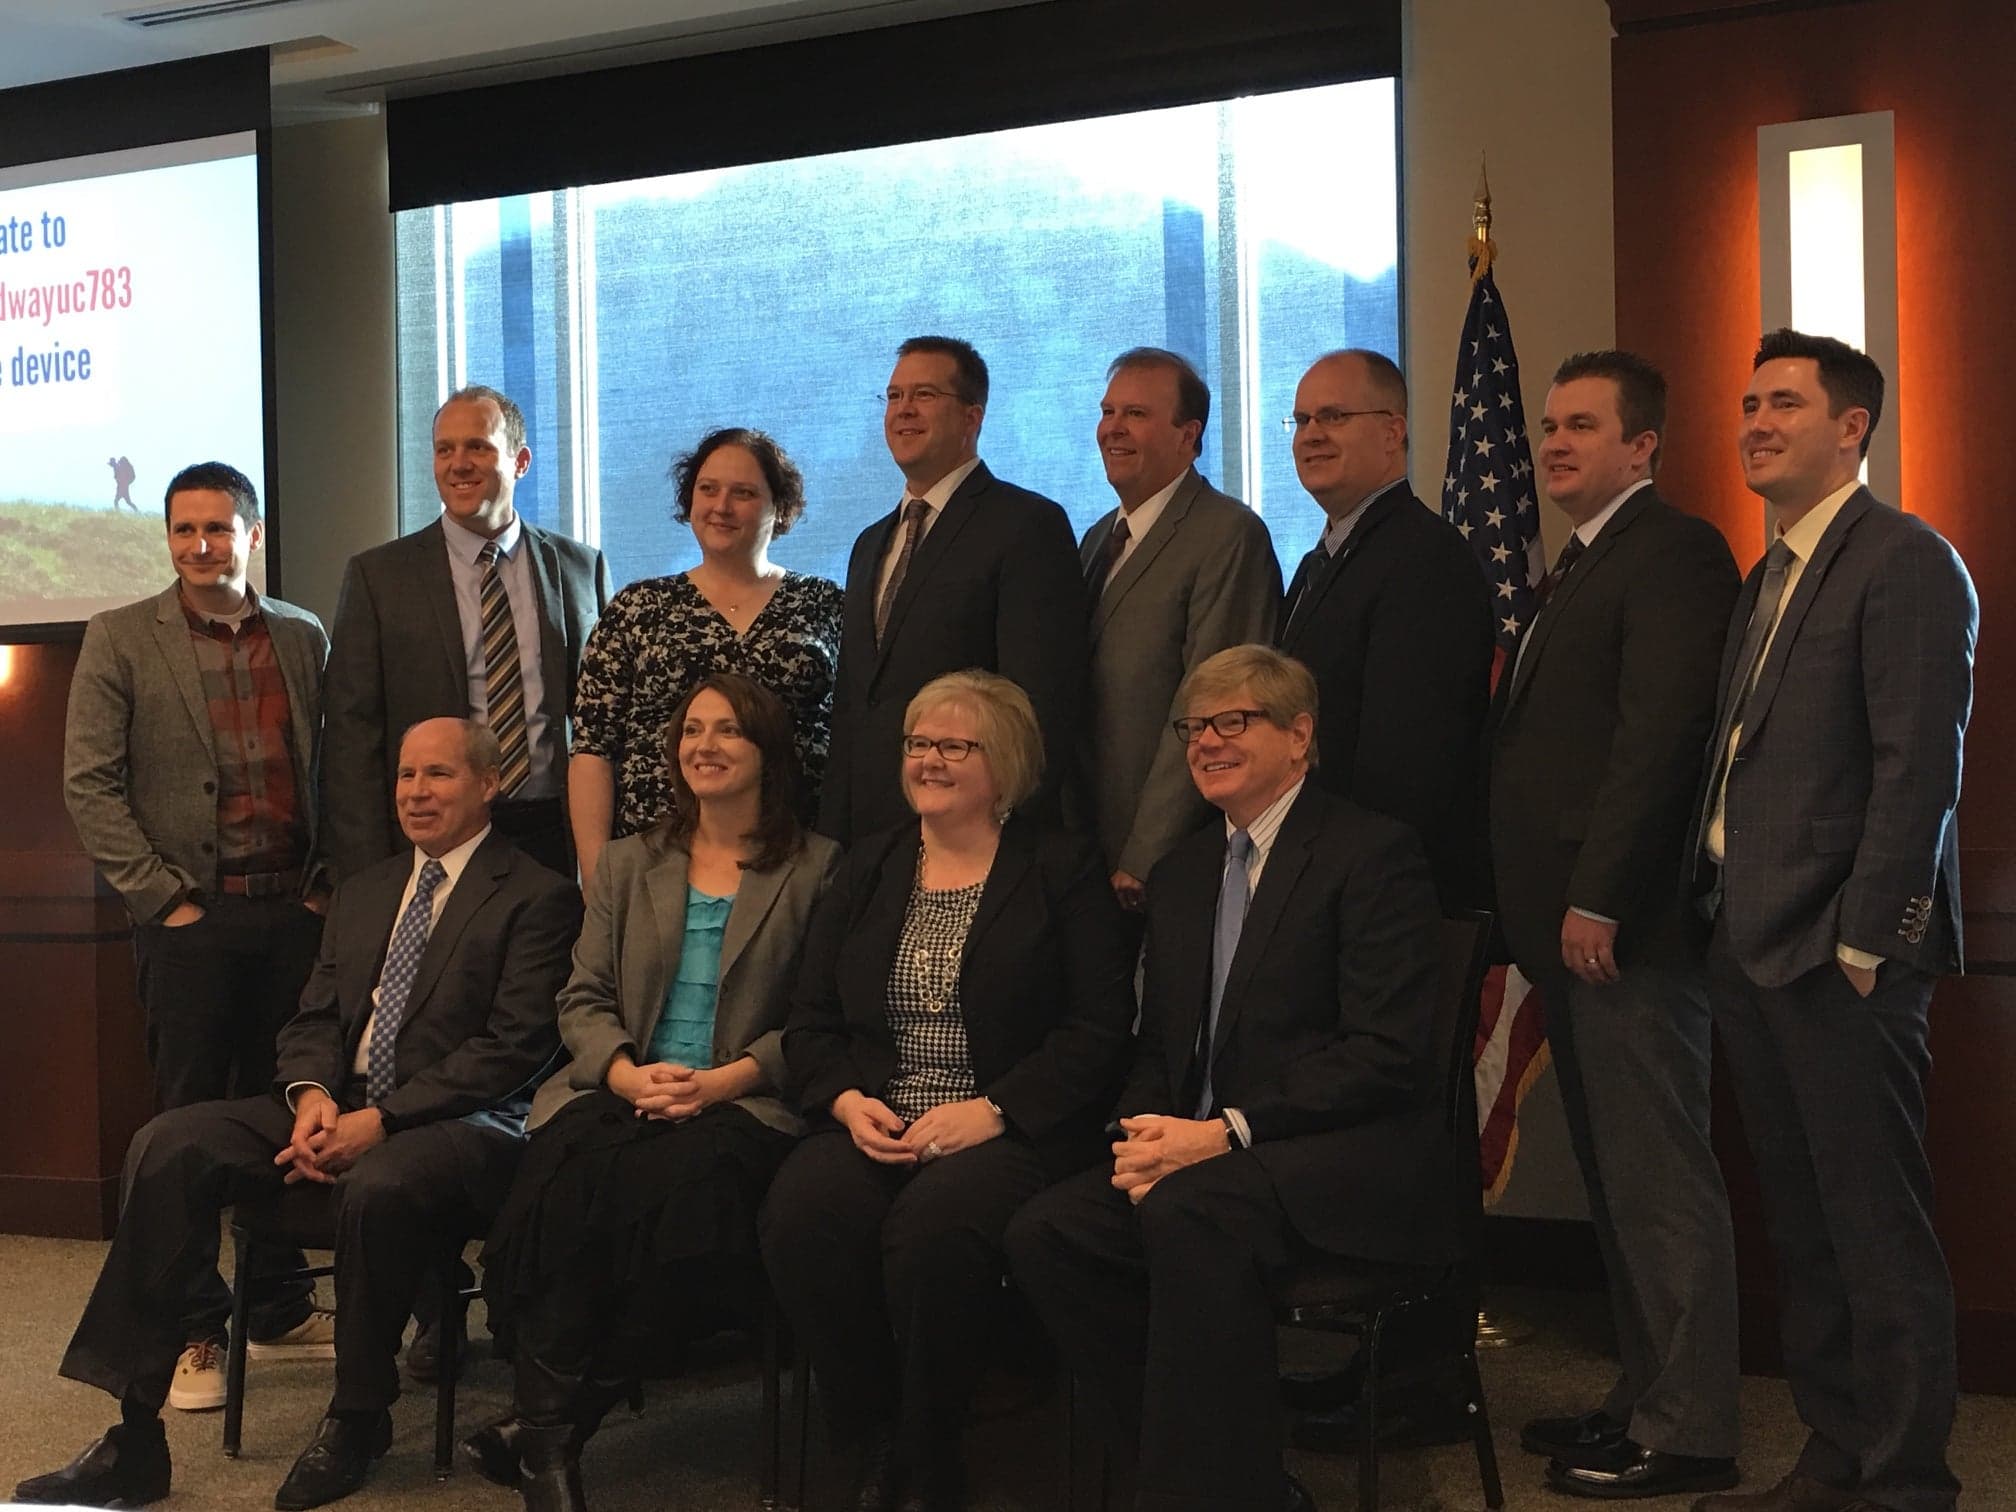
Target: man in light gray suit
(1825, 833)
(1176, 574)
(480, 615)
(189, 771)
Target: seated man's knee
(172, 1138)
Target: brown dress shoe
(1795, 1493)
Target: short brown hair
(969, 367)
(1280, 685)
(1009, 734)
(1850, 378)
(780, 473)
(1193, 395)
(767, 726)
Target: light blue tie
(1234, 893)
(395, 982)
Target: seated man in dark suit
(1283, 1101)
(402, 1086)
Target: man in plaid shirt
(189, 771)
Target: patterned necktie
(914, 515)
(1109, 557)
(1234, 893)
(1570, 555)
(1763, 615)
(395, 982)
(503, 681)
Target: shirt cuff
(1242, 1132)
(1848, 955)
(1590, 913)
(294, 1091)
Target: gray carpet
(695, 1446)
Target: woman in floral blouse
(734, 612)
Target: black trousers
(405, 1202)
(1166, 1309)
(891, 1275)
(216, 994)
(1831, 1087)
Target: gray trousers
(1633, 1061)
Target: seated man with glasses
(1283, 1101)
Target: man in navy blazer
(969, 571)
(1825, 838)
(410, 641)
(1284, 1101)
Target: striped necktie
(503, 681)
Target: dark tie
(1109, 557)
(395, 982)
(503, 680)
(1570, 555)
(1234, 893)
(1763, 615)
(914, 515)
(1309, 576)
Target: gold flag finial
(1482, 248)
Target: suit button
(209, 787)
(208, 847)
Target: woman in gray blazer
(634, 1211)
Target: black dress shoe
(1795, 1493)
(336, 1463)
(1632, 1470)
(127, 1467)
(1570, 1439)
(879, 1478)
(1297, 1497)
(492, 1452)
(1416, 1419)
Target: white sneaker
(198, 1385)
(313, 1338)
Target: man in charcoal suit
(1825, 840)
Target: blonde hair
(1009, 735)
(1281, 686)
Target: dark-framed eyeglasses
(951, 747)
(1326, 419)
(1227, 722)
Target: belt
(261, 884)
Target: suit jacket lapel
(377, 903)
(665, 883)
(553, 658)
(437, 582)
(936, 543)
(755, 896)
(1152, 545)
(1772, 673)
(1542, 628)
(1285, 865)
(1192, 895)
(1012, 860)
(1377, 513)
(171, 634)
(479, 879)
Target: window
(628, 319)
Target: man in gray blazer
(480, 615)
(189, 771)
(1825, 838)
(1176, 574)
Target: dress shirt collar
(1592, 527)
(1268, 823)
(939, 494)
(1339, 531)
(467, 545)
(1142, 517)
(453, 863)
(1804, 537)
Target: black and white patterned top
(933, 1063)
(658, 637)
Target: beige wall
(337, 376)
(1529, 85)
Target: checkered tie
(395, 982)
(503, 682)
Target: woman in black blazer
(959, 1023)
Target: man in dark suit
(1826, 829)
(1283, 1102)
(480, 614)
(401, 1088)
(1176, 574)
(969, 571)
(1596, 737)
(1391, 613)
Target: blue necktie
(1234, 892)
(395, 982)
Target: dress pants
(891, 1275)
(1633, 1060)
(406, 1201)
(1831, 1086)
(216, 994)
(1167, 1309)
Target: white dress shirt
(1141, 519)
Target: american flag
(1488, 494)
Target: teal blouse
(685, 1031)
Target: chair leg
(1368, 1417)
(770, 1447)
(1070, 1440)
(1480, 1432)
(801, 1421)
(454, 1319)
(242, 1245)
